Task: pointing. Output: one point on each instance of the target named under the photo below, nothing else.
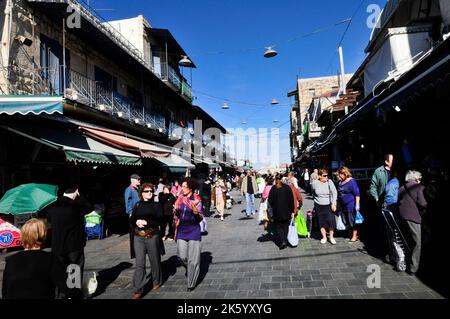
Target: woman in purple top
(188, 215)
(349, 197)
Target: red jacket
(297, 198)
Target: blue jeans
(250, 199)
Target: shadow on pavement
(169, 268)
(107, 276)
(205, 260)
(266, 238)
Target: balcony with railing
(176, 80)
(51, 81)
(95, 94)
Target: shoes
(323, 241)
(137, 295)
(190, 289)
(221, 217)
(169, 238)
(333, 241)
(156, 287)
(353, 241)
(164, 238)
(283, 246)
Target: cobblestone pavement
(236, 265)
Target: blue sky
(226, 40)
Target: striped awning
(76, 147)
(30, 104)
(120, 140)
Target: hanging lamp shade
(270, 53)
(274, 102)
(185, 61)
(225, 106)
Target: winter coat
(411, 202)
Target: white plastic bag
(292, 234)
(340, 223)
(90, 285)
(203, 227)
(262, 211)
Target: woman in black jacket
(32, 273)
(147, 218)
(281, 200)
(167, 199)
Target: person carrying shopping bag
(281, 200)
(188, 215)
(325, 199)
(349, 197)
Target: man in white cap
(131, 198)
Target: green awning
(174, 163)
(210, 163)
(30, 104)
(76, 147)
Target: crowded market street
(234, 264)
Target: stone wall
(313, 87)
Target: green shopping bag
(302, 230)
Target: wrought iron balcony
(50, 81)
(177, 81)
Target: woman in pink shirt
(176, 189)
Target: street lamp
(275, 121)
(225, 106)
(274, 102)
(244, 122)
(185, 61)
(270, 52)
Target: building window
(312, 92)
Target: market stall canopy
(210, 163)
(30, 104)
(120, 140)
(76, 147)
(175, 163)
(28, 198)
(9, 235)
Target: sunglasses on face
(147, 191)
(324, 175)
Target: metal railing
(177, 80)
(80, 88)
(97, 20)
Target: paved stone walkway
(236, 265)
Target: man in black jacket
(68, 235)
(281, 200)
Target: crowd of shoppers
(168, 212)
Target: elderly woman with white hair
(412, 205)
